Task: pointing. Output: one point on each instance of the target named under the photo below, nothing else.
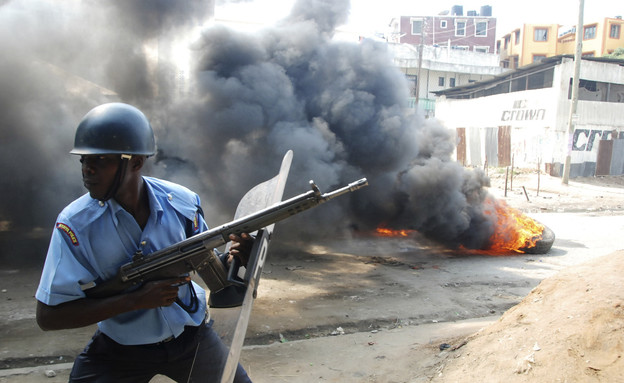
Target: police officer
(161, 327)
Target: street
(320, 305)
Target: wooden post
(525, 194)
(506, 175)
(539, 165)
(485, 166)
(512, 169)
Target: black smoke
(340, 106)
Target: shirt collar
(115, 208)
(156, 209)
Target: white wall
(531, 115)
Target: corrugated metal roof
(463, 90)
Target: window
(517, 33)
(541, 34)
(589, 32)
(440, 81)
(481, 28)
(443, 24)
(417, 26)
(538, 58)
(616, 93)
(615, 31)
(507, 40)
(518, 84)
(540, 80)
(460, 28)
(598, 91)
(452, 82)
(481, 49)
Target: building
(529, 44)
(440, 68)
(522, 117)
(474, 31)
(534, 42)
(447, 50)
(599, 39)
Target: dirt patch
(570, 328)
(534, 193)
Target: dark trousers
(197, 355)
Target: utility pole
(420, 57)
(573, 117)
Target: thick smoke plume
(225, 125)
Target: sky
(370, 16)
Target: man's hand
(86, 311)
(159, 293)
(241, 247)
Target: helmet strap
(119, 176)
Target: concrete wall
(531, 115)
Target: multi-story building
(440, 68)
(443, 51)
(534, 42)
(598, 38)
(475, 31)
(529, 44)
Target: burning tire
(542, 245)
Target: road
(335, 311)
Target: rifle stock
(197, 253)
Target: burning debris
(383, 232)
(341, 107)
(513, 232)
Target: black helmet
(114, 128)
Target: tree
(617, 54)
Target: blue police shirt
(92, 239)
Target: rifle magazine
(212, 271)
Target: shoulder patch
(196, 223)
(70, 233)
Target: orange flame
(513, 230)
(384, 232)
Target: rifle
(197, 253)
